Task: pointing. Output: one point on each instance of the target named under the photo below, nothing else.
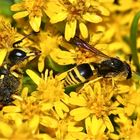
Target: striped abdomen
(79, 74)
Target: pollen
(7, 34)
(29, 108)
(76, 10)
(99, 106)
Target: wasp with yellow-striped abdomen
(108, 67)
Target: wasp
(108, 67)
(10, 75)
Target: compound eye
(16, 56)
(117, 63)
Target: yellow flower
(109, 34)
(7, 34)
(7, 38)
(28, 106)
(62, 128)
(63, 57)
(125, 127)
(95, 128)
(95, 101)
(26, 130)
(66, 54)
(76, 12)
(31, 8)
(51, 91)
(135, 133)
(47, 42)
(132, 101)
(122, 6)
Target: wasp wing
(80, 43)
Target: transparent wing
(80, 43)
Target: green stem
(133, 41)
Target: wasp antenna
(19, 41)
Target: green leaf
(5, 7)
(27, 82)
(17, 1)
(133, 41)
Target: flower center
(76, 10)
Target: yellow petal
(17, 7)
(48, 122)
(46, 106)
(61, 108)
(62, 57)
(35, 23)
(80, 113)
(58, 17)
(92, 17)
(108, 124)
(41, 64)
(11, 109)
(3, 53)
(12, 116)
(70, 29)
(107, 1)
(44, 136)
(56, 11)
(33, 76)
(87, 3)
(64, 107)
(104, 11)
(20, 14)
(77, 99)
(98, 126)
(33, 123)
(73, 1)
(24, 92)
(96, 37)
(109, 34)
(74, 129)
(83, 30)
(88, 123)
(73, 28)
(5, 129)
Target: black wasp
(10, 75)
(108, 67)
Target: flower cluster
(46, 106)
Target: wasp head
(114, 67)
(18, 55)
